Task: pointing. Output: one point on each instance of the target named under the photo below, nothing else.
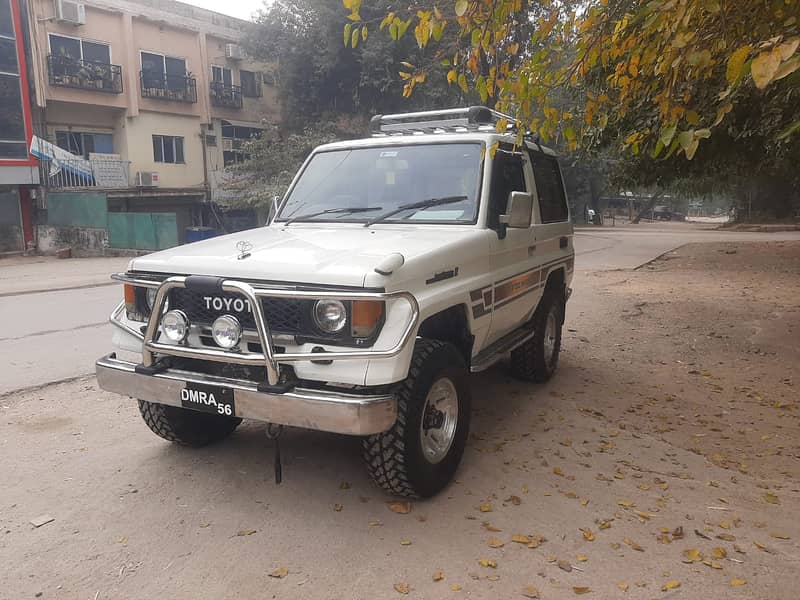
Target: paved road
(55, 335)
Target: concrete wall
(83, 240)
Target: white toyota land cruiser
(394, 267)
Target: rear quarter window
(550, 189)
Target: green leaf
(667, 134)
(658, 149)
(355, 37)
(480, 85)
(791, 130)
(787, 68)
(690, 151)
(394, 31)
(462, 83)
(347, 29)
(461, 7)
(686, 138)
(702, 133)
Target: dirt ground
(661, 462)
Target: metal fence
(83, 74)
(227, 96)
(168, 87)
(58, 174)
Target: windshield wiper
(331, 211)
(416, 207)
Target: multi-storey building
(18, 171)
(152, 99)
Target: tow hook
(274, 432)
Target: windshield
(355, 185)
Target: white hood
(341, 255)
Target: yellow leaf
(364, 33)
(520, 539)
(719, 553)
(452, 75)
(438, 576)
(788, 48)
(485, 507)
(488, 562)
(489, 527)
(787, 68)
(581, 558)
(626, 503)
(724, 524)
(455, 588)
(736, 63)
(692, 555)
(558, 471)
(645, 515)
(588, 535)
(530, 591)
(461, 7)
(536, 541)
(623, 586)
(738, 582)
(780, 536)
(495, 543)
(245, 532)
(581, 590)
(375, 524)
(765, 66)
(670, 585)
(402, 588)
(405, 543)
(400, 507)
(633, 545)
(279, 573)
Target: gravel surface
(661, 462)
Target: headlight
(175, 325)
(330, 315)
(226, 331)
(150, 298)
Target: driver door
(513, 250)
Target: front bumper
(322, 410)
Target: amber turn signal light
(367, 315)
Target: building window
(251, 84)
(163, 72)
(168, 149)
(234, 138)
(77, 49)
(222, 75)
(13, 138)
(83, 144)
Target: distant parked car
(678, 216)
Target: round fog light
(175, 325)
(226, 331)
(330, 315)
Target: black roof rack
(473, 118)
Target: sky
(242, 9)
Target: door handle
(563, 242)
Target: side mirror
(518, 210)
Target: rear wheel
(537, 359)
(186, 427)
(419, 455)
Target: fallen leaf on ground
(581, 590)
(485, 508)
(520, 539)
(719, 552)
(645, 515)
(670, 585)
(558, 471)
(345, 485)
(402, 588)
(738, 582)
(375, 524)
(588, 535)
(565, 565)
(536, 541)
(455, 588)
(699, 533)
(581, 558)
(780, 536)
(438, 576)
(401, 507)
(530, 591)
(727, 537)
(488, 562)
(279, 573)
(515, 500)
(405, 543)
(692, 555)
(771, 498)
(495, 543)
(488, 527)
(626, 503)
(338, 507)
(712, 564)
(633, 545)
(623, 586)
(245, 532)
(122, 540)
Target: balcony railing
(60, 174)
(177, 88)
(84, 74)
(226, 96)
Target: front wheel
(186, 427)
(419, 455)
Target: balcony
(79, 173)
(84, 75)
(175, 88)
(226, 96)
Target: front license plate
(208, 398)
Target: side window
(552, 200)
(508, 175)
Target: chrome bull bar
(267, 357)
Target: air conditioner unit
(227, 144)
(68, 11)
(147, 179)
(234, 51)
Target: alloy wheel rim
(550, 330)
(439, 420)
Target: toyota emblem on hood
(244, 248)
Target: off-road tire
(395, 459)
(186, 427)
(530, 362)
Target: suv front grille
(282, 314)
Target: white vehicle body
(476, 284)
